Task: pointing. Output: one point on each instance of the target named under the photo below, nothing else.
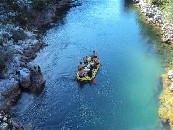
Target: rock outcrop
(166, 99)
(24, 78)
(18, 48)
(37, 80)
(8, 123)
(9, 93)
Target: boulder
(4, 120)
(37, 45)
(9, 93)
(136, 1)
(4, 126)
(24, 78)
(171, 87)
(37, 80)
(16, 124)
(29, 34)
(18, 34)
(9, 123)
(5, 35)
(170, 73)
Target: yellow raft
(87, 78)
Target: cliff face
(20, 40)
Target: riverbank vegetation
(166, 6)
(6, 54)
(22, 12)
(165, 110)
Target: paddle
(94, 81)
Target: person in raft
(82, 73)
(97, 62)
(85, 60)
(87, 67)
(94, 55)
(80, 66)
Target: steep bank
(155, 15)
(20, 41)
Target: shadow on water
(60, 15)
(152, 35)
(84, 84)
(127, 4)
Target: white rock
(17, 28)
(170, 72)
(4, 124)
(20, 41)
(35, 41)
(5, 119)
(29, 34)
(171, 87)
(28, 41)
(25, 80)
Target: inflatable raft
(87, 78)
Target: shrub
(39, 5)
(160, 2)
(5, 55)
(1, 42)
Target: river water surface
(128, 82)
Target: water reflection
(127, 3)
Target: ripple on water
(126, 81)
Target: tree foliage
(166, 6)
(160, 2)
(25, 9)
(5, 55)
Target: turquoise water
(128, 82)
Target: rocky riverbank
(19, 45)
(166, 98)
(155, 15)
(18, 48)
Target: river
(125, 96)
